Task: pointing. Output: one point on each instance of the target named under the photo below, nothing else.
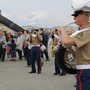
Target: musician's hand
(61, 29)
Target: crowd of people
(30, 46)
(34, 44)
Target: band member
(56, 40)
(35, 53)
(55, 48)
(80, 39)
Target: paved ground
(15, 76)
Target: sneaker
(39, 72)
(48, 59)
(55, 73)
(62, 74)
(32, 72)
(20, 59)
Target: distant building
(29, 28)
(5, 28)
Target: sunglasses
(76, 15)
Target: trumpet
(70, 28)
(70, 24)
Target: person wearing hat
(35, 52)
(81, 40)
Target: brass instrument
(70, 54)
(68, 59)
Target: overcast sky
(43, 13)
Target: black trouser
(60, 57)
(25, 50)
(57, 68)
(2, 54)
(19, 53)
(35, 56)
(46, 54)
(28, 57)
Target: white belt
(83, 66)
(35, 45)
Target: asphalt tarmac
(15, 76)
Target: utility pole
(37, 22)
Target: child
(13, 50)
(8, 51)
